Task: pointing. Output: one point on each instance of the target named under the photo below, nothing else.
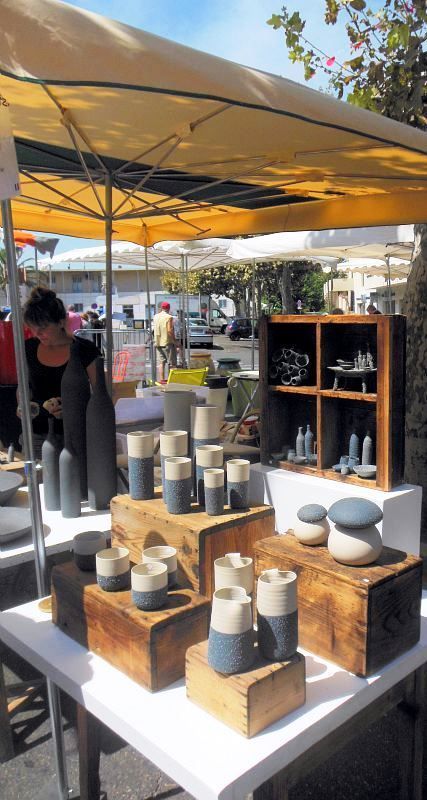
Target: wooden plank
(343, 394)
(293, 389)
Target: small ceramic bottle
(300, 444)
(308, 443)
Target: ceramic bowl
(9, 484)
(300, 460)
(366, 470)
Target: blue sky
(232, 29)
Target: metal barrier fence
(122, 339)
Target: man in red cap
(164, 338)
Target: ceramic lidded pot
(178, 485)
(238, 482)
(277, 614)
(311, 526)
(234, 570)
(149, 584)
(173, 444)
(208, 456)
(354, 538)
(214, 491)
(231, 636)
(141, 465)
(163, 554)
(177, 410)
(112, 569)
(85, 547)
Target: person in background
(337, 311)
(47, 354)
(74, 320)
(164, 338)
(371, 309)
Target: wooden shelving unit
(334, 414)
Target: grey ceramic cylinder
(178, 485)
(277, 614)
(69, 483)
(51, 450)
(238, 483)
(177, 410)
(101, 444)
(75, 395)
(214, 491)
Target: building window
(78, 307)
(128, 310)
(222, 302)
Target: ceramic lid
(355, 512)
(312, 512)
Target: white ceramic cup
(231, 610)
(277, 593)
(113, 561)
(173, 443)
(177, 468)
(213, 478)
(238, 470)
(209, 455)
(204, 422)
(163, 554)
(140, 444)
(234, 570)
(149, 577)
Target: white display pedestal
(287, 491)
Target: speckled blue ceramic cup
(277, 614)
(178, 485)
(149, 584)
(141, 465)
(208, 456)
(231, 635)
(112, 569)
(214, 491)
(85, 547)
(163, 554)
(238, 482)
(172, 444)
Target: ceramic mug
(149, 583)
(85, 547)
(112, 569)
(163, 554)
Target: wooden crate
(149, 647)
(358, 617)
(198, 538)
(248, 701)
(335, 414)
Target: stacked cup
(208, 456)
(141, 465)
(173, 444)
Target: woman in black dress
(48, 353)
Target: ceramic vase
(367, 450)
(214, 491)
(277, 614)
(231, 637)
(238, 483)
(75, 395)
(208, 456)
(149, 584)
(177, 410)
(354, 447)
(178, 485)
(101, 444)
(112, 569)
(218, 397)
(51, 450)
(173, 443)
(204, 426)
(85, 547)
(354, 538)
(234, 570)
(308, 443)
(141, 465)
(300, 444)
(311, 526)
(69, 482)
(163, 554)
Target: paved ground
(241, 349)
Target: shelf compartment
(296, 336)
(285, 413)
(345, 342)
(339, 419)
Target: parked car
(201, 333)
(241, 328)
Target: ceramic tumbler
(178, 485)
(238, 482)
(177, 411)
(214, 491)
(208, 456)
(85, 547)
(149, 583)
(204, 427)
(112, 569)
(277, 614)
(173, 444)
(231, 636)
(141, 465)
(234, 570)
(163, 554)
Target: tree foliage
(387, 59)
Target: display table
(204, 756)
(287, 491)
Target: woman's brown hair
(43, 308)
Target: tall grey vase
(75, 394)
(367, 449)
(308, 443)
(51, 450)
(69, 481)
(101, 444)
(300, 444)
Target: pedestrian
(164, 338)
(47, 354)
(371, 309)
(74, 320)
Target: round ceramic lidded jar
(214, 491)
(163, 554)
(173, 444)
(112, 569)
(311, 526)
(277, 614)
(141, 465)
(231, 636)
(238, 482)
(234, 570)
(178, 485)
(85, 547)
(208, 456)
(149, 584)
(354, 538)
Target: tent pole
(184, 324)
(109, 279)
(150, 338)
(188, 312)
(33, 487)
(253, 314)
(387, 261)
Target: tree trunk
(285, 289)
(415, 306)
